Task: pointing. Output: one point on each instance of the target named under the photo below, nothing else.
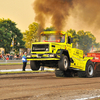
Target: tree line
(12, 37)
(85, 41)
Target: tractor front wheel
(34, 65)
(63, 63)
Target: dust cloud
(66, 14)
(58, 10)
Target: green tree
(97, 45)
(30, 35)
(86, 40)
(75, 37)
(91, 36)
(49, 29)
(9, 31)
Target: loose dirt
(46, 86)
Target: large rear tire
(59, 73)
(63, 63)
(68, 73)
(34, 65)
(89, 72)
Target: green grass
(19, 72)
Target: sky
(22, 13)
(19, 11)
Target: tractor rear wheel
(59, 73)
(68, 73)
(89, 72)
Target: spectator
(20, 56)
(4, 57)
(10, 57)
(0, 56)
(24, 61)
(15, 57)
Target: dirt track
(13, 66)
(45, 86)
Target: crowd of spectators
(10, 57)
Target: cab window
(69, 39)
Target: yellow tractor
(55, 50)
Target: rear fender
(86, 59)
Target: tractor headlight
(51, 55)
(47, 49)
(28, 56)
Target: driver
(63, 39)
(51, 38)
